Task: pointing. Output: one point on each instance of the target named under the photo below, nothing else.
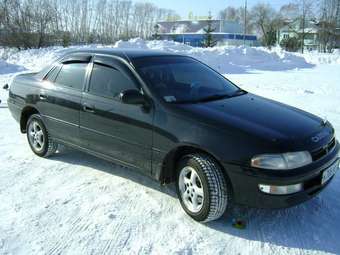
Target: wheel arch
(168, 170)
(26, 112)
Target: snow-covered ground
(74, 203)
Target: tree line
(262, 19)
(38, 23)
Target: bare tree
(266, 20)
(306, 7)
(230, 13)
(237, 15)
(36, 23)
(328, 21)
(290, 11)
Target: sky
(202, 7)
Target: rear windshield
(182, 79)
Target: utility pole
(303, 25)
(245, 23)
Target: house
(311, 38)
(192, 32)
(294, 29)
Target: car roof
(127, 54)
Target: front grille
(319, 153)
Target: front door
(110, 127)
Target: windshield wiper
(213, 97)
(238, 92)
(204, 99)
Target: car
(179, 121)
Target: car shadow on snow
(75, 157)
(314, 225)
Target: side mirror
(132, 96)
(6, 87)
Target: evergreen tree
(208, 37)
(156, 35)
(66, 39)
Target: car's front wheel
(38, 137)
(202, 188)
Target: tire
(38, 138)
(197, 175)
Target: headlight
(282, 161)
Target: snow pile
(35, 59)
(226, 59)
(322, 58)
(7, 68)
(136, 43)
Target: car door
(121, 131)
(60, 98)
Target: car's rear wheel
(202, 188)
(38, 137)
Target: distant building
(294, 29)
(191, 32)
(311, 41)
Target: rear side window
(52, 74)
(72, 75)
(108, 82)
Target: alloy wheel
(191, 189)
(36, 136)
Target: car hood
(256, 115)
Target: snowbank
(35, 59)
(7, 68)
(322, 58)
(227, 60)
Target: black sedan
(177, 120)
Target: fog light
(281, 190)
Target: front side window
(72, 75)
(109, 82)
(179, 79)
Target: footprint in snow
(309, 91)
(112, 216)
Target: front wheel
(202, 188)
(38, 137)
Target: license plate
(329, 172)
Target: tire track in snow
(79, 224)
(119, 234)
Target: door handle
(87, 108)
(42, 96)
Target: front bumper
(245, 183)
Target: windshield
(179, 79)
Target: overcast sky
(202, 7)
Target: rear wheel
(38, 137)
(202, 188)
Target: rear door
(60, 98)
(121, 131)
